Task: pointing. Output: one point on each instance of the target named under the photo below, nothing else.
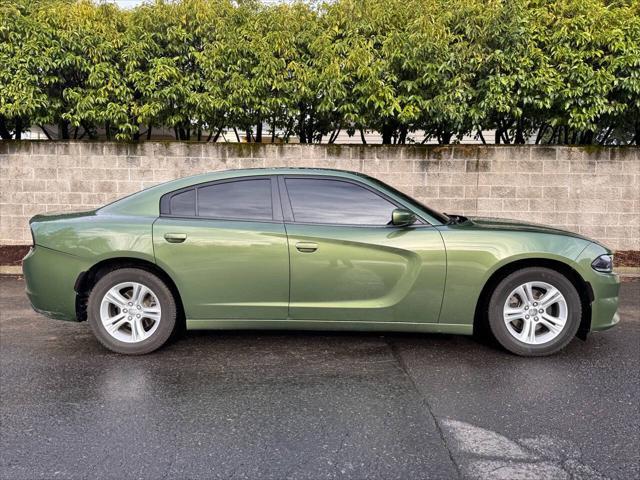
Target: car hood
(483, 223)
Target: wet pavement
(276, 405)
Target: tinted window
(244, 199)
(333, 201)
(184, 203)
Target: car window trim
(288, 212)
(276, 209)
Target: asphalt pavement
(274, 405)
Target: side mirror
(402, 218)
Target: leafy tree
(553, 71)
(23, 96)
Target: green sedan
(312, 249)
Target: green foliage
(555, 71)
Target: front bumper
(606, 290)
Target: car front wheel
(131, 311)
(535, 311)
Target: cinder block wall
(594, 191)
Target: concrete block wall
(594, 191)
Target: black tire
(167, 302)
(501, 294)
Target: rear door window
(241, 200)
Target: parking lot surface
(274, 405)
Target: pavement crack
(403, 366)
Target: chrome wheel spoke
(513, 313)
(521, 293)
(528, 333)
(112, 324)
(152, 313)
(550, 297)
(137, 330)
(113, 296)
(139, 293)
(554, 324)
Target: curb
(10, 270)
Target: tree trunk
(519, 139)
(183, 134)
(334, 135)
(445, 138)
(387, 134)
(4, 131)
(302, 133)
(364, 140)
(505, 136)
(541, 131)
(18, 133)
(44, 130)
(216, 136)
(636, 137)
(587, 138)
(107, 129)
(309, 129)
(149, 133)
(259, 131)
(484, 142)
(606, 135)
(64, 130)
(402, 138)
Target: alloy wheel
(130, 312)
(535, 313)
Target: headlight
(604, 264)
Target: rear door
(225, 246)
(349, 264)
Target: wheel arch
(87, 279)
(480, 322)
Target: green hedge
(565, 71)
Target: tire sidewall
(511, 282)
(163, 294)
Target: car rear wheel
(534, 312)
(131, 311)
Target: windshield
(441, 217)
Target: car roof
(285, 170)
(246, 172)
(144, 201)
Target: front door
(225, 246)
(349, 264)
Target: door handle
(307, 247)
(175, 237)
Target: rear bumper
(50, 278)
